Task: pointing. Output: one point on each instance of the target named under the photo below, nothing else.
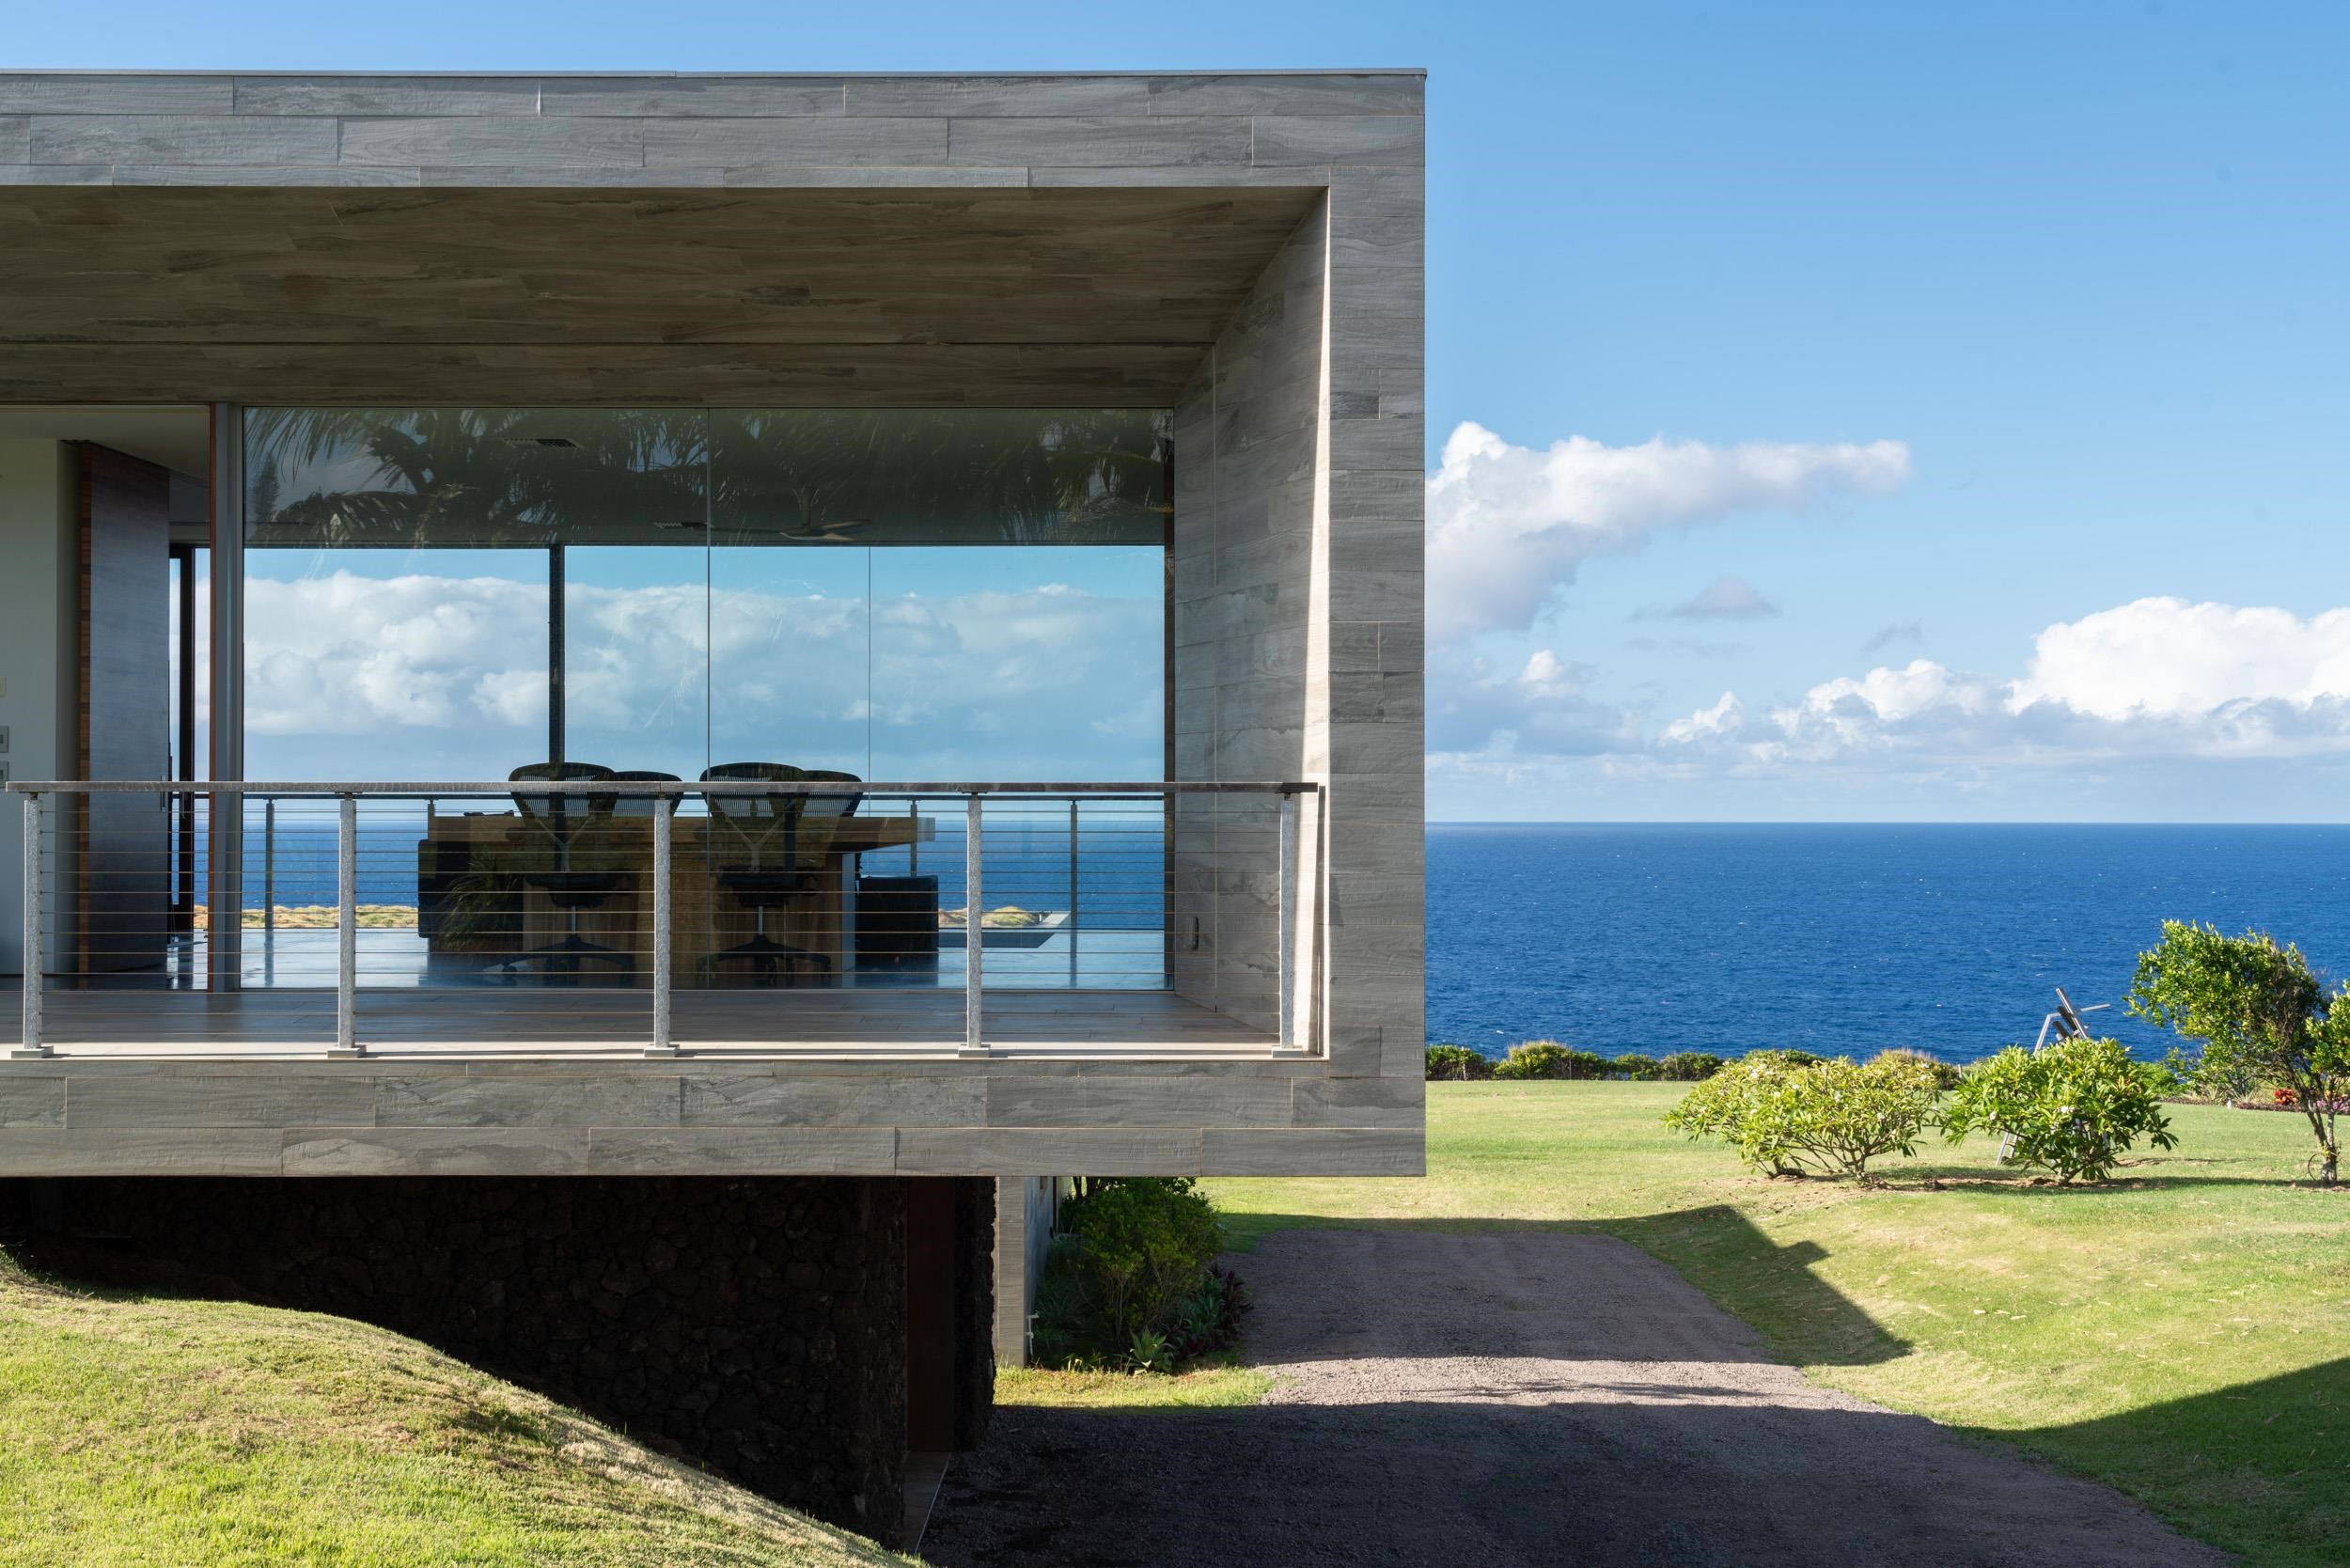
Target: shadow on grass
(2259, 1468)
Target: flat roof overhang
(789, 297)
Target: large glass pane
(451, 594)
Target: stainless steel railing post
(974, 935)
(32, 1045)
(1073, 892)
(664, 806)
(347, 930)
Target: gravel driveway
(1513, 1399)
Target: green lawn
(152, 1432)
(2181, 1333)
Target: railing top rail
(683, 788)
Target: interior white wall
(39, 503)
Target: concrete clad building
(931, 566)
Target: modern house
(640, 704)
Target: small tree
(2074, 1107)
(2259, 1014)
(1458, 1063)
(1786, 1113)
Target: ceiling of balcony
(796, 298)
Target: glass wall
(928, 594)
(449, 594)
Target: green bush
(1547, 1059)
(1635, 1066)
(1129, 1275)
(1945, 1075)
(1689, 1067)
(1789, 1113)
(1458, 1064)
(2071, 1107)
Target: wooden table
(477, 900)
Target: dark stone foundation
(755, 1326)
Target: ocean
(1841, 939)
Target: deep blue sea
(1840, 939)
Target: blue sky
(2084, 262)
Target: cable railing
(563, 888)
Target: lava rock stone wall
(755, 1326)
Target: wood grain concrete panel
(923, 177)
(694, 97)
(80, 93)
(1181, 176)
(56, 174)
(1360, 542)
(788, 1099)
(546, 176)
(202, 1099)
(1015, 97)
(1354, 646)
(1382, 1102)
(224, 174)
(385, 95)
(28, 1101)
(16, 139)
(1060, 1152)
(1314, 93)
(779, 376)
(1100, 141)
(815, 140)
(496, 141)
(153, 1152)
(1375, 698)
(438, 1099)
(187, 139)
(1314, 1152)
(743, 1151)
(1129, 1102)
(434, 1152)
(1357, 595)
(1336, 141)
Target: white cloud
(1508, 525)
(2152, 678)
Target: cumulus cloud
(2154, 677)
(1508, 525)
(1723, 599)
(1544, 706)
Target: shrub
(1130, 1274)
(2072, 1106)
(1458, 1063)
(1945, 1075)
(1634, 1065)
(1787, 1112)
(1547, 1059)
(1689, 1066)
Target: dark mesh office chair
(632, 805)
(578, 870)
(756, 855)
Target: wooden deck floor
(135, 1024)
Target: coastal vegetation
(144, 1429)
(2181, 1331)
(1790, 1117)
(1132, 1283)
(2073, 1108)
(2259, 1018)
